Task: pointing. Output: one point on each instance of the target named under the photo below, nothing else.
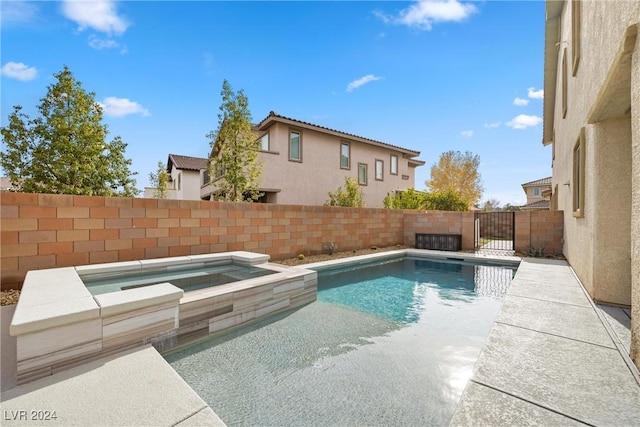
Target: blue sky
(431, 75)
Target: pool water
(387, 344)
(188, 278)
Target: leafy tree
(349, 196)
(407, 199)
(234, 152)
(457, 172)
(491, 205)
(63, 150)
(160, 181)
(436, 201)
(448, 200)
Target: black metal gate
(495, 231)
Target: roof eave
(551, 46)
(271, 119)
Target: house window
(564, 83)
(575, 34)
(263, 142)
(379, 170)
(295, 146)
(345, 156)
(536, 191)
(578, 176)
(394, 164)
(362, 173)
(206, 179)
(219, 169)
(178, 180)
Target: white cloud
(523, 121)
(520, 102)
(120, 107)
(492, 125)
(18, 71)
(99, 44)
(467, 133)
(100, 15)
(362, 81)
(535, 94)
(424, 13)
(17, 12)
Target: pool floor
(334, 362)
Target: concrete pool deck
(132, 388)
(549, 360)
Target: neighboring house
(538, 193)
(5, 184)
(592, 120)
(186, 176)
(302, 162)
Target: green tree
(457, 172)
(234, 153)
(407, 199)
(448, 200)
(491, 205)
(437, 201)
(159, 181)
(63, 150)
(350, 196)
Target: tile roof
(186, 162)
(540, 204)
(543, 181)
(274, 115)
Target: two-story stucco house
(185, 177)
(592, 120)
(302, 162)
(538, 193)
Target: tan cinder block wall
(539, 229)
(46, 231)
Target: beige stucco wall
(531, 197)
(635, 205)
(603, 29)
(309, 181)
(603, 247)
(190, 183)
(611, 206)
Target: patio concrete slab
(136, 387)
(587, 382)
(547, 353)
(484, 406)
(554, 318)
(552, 276)
(549, 292)
(620, 321)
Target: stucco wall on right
(592, 85)
(635, 205)
(607, 185)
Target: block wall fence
(46, 231)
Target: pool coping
(438, 255)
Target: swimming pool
(390, 343)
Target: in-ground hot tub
(66, 316)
